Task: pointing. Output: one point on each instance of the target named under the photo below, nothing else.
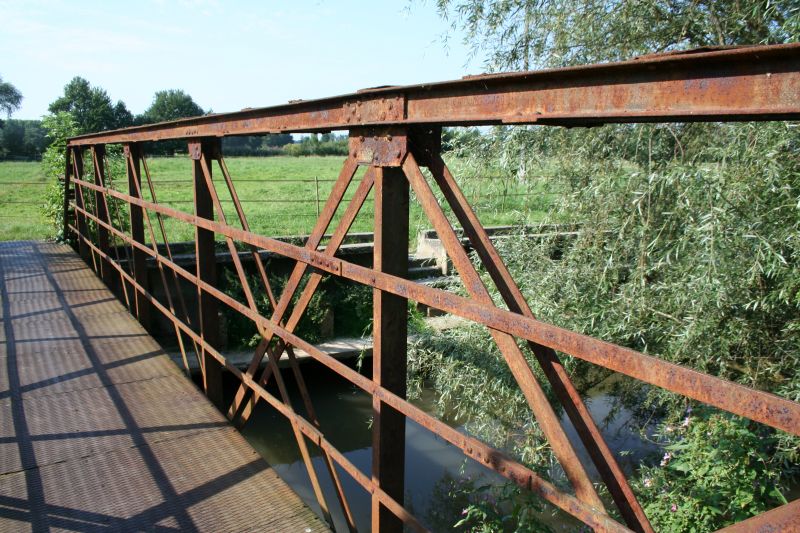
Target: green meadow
(280, 195)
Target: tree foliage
(10, 98)
(171, 104)
(59, 127)
(91, 107)
(22, 139)
(256, 145)
(514, 34)
(688, 237)
(325, 144)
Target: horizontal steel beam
(482, 453)
(756, 405)
(736, 84)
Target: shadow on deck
(99, 431)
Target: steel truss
(396, 132)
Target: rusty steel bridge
(395, 133)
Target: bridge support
(394, 132)
(133, 155)
(206, 271)
(390, 331)
(80, 217)
(101, 208)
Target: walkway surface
(100, 431)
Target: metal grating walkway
(100, 431)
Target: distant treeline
(26, 140)
(22, 139)
(91, 109)
(284, 144)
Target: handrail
(395, 131)
(746, 83)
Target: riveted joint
(379, 147)
(391, 109)
(210, 146)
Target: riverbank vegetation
(688, 257)
(687, 250)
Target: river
(432, 464)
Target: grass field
(280, 196)
(22, 190)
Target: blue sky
(227, 55)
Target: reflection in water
(433, 467)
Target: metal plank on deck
(99, 431)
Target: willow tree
(689, 246)
(522, 34)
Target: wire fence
(279, 206)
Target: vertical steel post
(106, 271)
(83, 227)
(65, 205)
(390, 332)
(207, 271)
(133, 170)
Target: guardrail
(394, 133)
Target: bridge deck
(99, 431)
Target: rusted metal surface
(784, 519)
(210, 150)
(337, 193)
(756, 405)
(531, 389)
(473, 448)
(77, 172)
(265, 285)
(394, 131)
(133, 156)
(752, 83)
(390, 336)
(379, 147)
(315, 278)
(568, 395)
(206, 264)
(101, 209)
(100, 430)
(133, 171)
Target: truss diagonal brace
(429, 147)
(535, 396)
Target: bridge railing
(394, 133)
